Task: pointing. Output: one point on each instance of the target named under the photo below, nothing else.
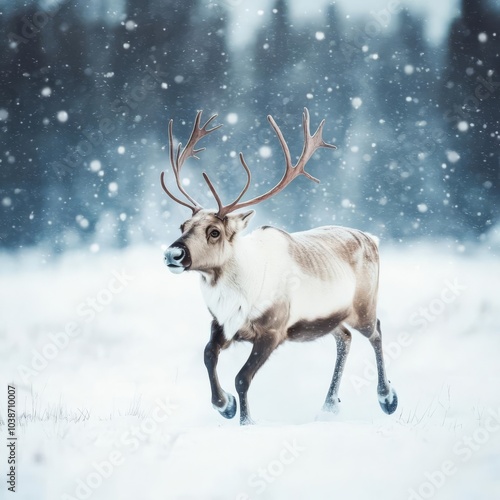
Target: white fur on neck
(232, 298)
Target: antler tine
(174, 162)
(213, 117)
(249, 178)
(196, 135)
(306, 124)
(281, 138)
(311, 144)
(171, 145)
(164, 186)
(179, 155)
(224, 210)
(214, 192)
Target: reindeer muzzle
(177, 258)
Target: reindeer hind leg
(387, 397)
(343, 340)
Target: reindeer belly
(319, 303)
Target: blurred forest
(86, 94)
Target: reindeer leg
(387, 396)
(222, 401)
(343, 338)
(262, 348)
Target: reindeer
(271, 286)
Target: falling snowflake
(265, 152)
(232, 118)
(356, 102)
(452, 156)
(62, 116)
(95, 165)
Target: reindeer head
(209, 236)
(207, 242)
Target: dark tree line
(85, 99)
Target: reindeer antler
(177, 158)
(311, 144)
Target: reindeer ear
(245, 217)
(238, 222)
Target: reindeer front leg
(222, 401)
(262, 348)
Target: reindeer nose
(177, 257)
(177, 254)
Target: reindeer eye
(214, 233)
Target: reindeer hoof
(229, 409)
(246, 421)
(329, 411)
(389, 403)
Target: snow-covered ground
(122, 409)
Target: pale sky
(247, 15)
